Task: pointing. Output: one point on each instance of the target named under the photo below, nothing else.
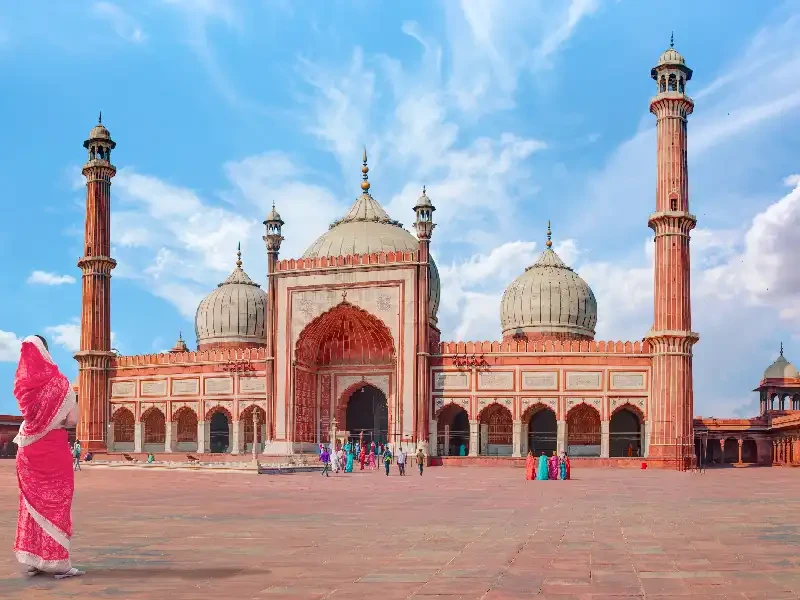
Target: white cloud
(123, 24)
(68, 335)
(46, 278)
(9, 346)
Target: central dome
(549, 300)
(368, 228)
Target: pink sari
(44, 461)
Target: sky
(510, 112)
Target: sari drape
(566, 462)
(541, 473)
(552, 467)
(44, 461)
(562, 469)
(530, 467)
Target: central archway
(542, 430)
(348, 340)
(367, 415)
(219, 438)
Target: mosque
(343, 342)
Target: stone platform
(454, 533)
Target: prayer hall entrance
(452, 431)
(219, 432)
(625, 433)
(367, 415)
(542, 432)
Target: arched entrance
(542, 431)
(583, 431)
(185, 429)
(625, 433)
(367, 415)
(219, 433)
(731, 451)
(345, 339)
(496, 430)
(124, 430)
(453, 431)
(155, 430)
(749, 451)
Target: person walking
(44, 466)
(401, 461)
(325, 458)
(420, 459)
(387, 459)
(76, 455)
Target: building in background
(344, 342)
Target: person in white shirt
(401, 461)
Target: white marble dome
(234, 313)
(549, 299)
(781, 369)
(368, 228)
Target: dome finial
(364, 171)
(672, 39)
(423, 190)
(239, 255)
(549, 242)
(781, 348)
(100, 118)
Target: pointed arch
(155, 426)
(345, 334)
(535, 408)
(499, 421)
(185, 425)
(124, 425)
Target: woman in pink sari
(44, 462)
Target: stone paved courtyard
(454, 533)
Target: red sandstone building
(344, 342)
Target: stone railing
(349, 260)
(548, 346)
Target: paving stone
(479, 533)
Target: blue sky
(512, 113)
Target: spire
(239, 255)
(549, 242)
(781, 348)
(423, 190)
(364, 171)
(100, 118)
(672, 39)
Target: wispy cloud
(123, 24)
(68, 335)
(9, 346)
(45, 278)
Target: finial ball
(365, 185)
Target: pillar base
(670, 457)
(93, 446)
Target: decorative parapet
(215, 355)
(544, 346)
(348, 260)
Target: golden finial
(344, 296)
(239, 255)
(364, 171)
(549, 243)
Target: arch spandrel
(380, 302)
(345, 334)
(442, 403)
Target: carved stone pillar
(433, 438)
(168, 435)
(236, 428)
(561, 436)
(516, 438)
(604, 439)
(138, 431)
(722, 451)
(201, 437)
(255, 436)
(473, 438)
(484, 439)
(741, 441)
(110, 437)
(523, 444)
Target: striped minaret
(671, 338)
(96, 265)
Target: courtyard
(455, 533)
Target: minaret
(671, 439)
(96, 265)
(273, 239)
(424, 227)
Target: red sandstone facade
(348, 344)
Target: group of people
(344, 458)
(555, 467)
